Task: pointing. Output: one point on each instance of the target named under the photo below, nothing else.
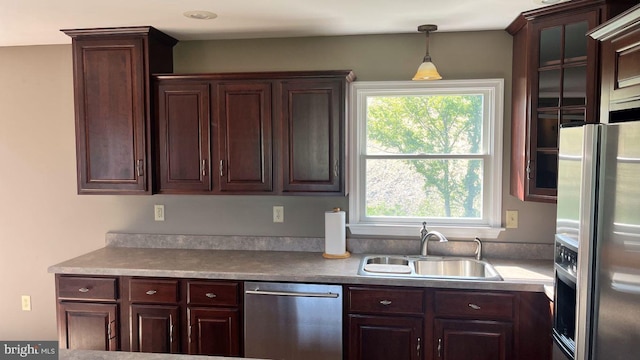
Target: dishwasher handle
(292, 293)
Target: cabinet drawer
(153, 291)
(87, 288)
(386, 301)
(211, 293)
(474, 305)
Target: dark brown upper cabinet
(113, 104)
(556, 81)
(184, 137)
(313, 135)
(620, 39)
(270, 133)
(244, 133)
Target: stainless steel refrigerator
(599, 213)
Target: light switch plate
(26, 303)
(158, 211)
(512, 219)
(278, 214)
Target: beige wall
(43, 221)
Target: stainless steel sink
(464, 268)
(451, 268)
(389, 260)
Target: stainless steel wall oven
(564, 314)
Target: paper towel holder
(346, 254)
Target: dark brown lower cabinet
(155, 328)
(383, 338)
(88, 326)
(473, 340)
(214, 331)
(203, 317)
(446, 324)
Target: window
(426, 151)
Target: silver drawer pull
(210, 295)
(474, 306)
(385, 302)
(83, 290)
(151, 292)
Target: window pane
(547, 129)
(575, 86)
(424, 188)
(575, 41)
(550, 45)
(549, 88)
(424, 124)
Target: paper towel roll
(335, 234)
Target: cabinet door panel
(88, 326)
(553, 84)
(183, 126)
(384, 338)
(155, 328)
(620, 71)
(110, 115)
(214, 332)
(313, 131)
(245, 142)
(473, 340)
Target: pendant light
(427, 70)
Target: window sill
(453, 232)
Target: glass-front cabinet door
(565, 79)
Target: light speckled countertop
(287, 266)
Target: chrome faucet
(424, 238)
(478, 249)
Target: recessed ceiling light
(200, 15)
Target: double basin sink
(428, 267)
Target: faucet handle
(424, 230)
(478, 248)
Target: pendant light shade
(427, 70)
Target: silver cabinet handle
(83, 290)
(474, 307)
(210, 295)
(418, 348)
(385, 302)
(171, 329)
(529, 170)
(335, 168)
(221, 167)
(140, 167)
(151, 292)
(204, 167)
(440, 347)
(109, 332)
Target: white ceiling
(33, 22)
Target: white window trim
(359, 225)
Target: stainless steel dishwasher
(292, 321)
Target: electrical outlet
(278, 214)
(26, 303)
(158, 211)
(512, 219)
